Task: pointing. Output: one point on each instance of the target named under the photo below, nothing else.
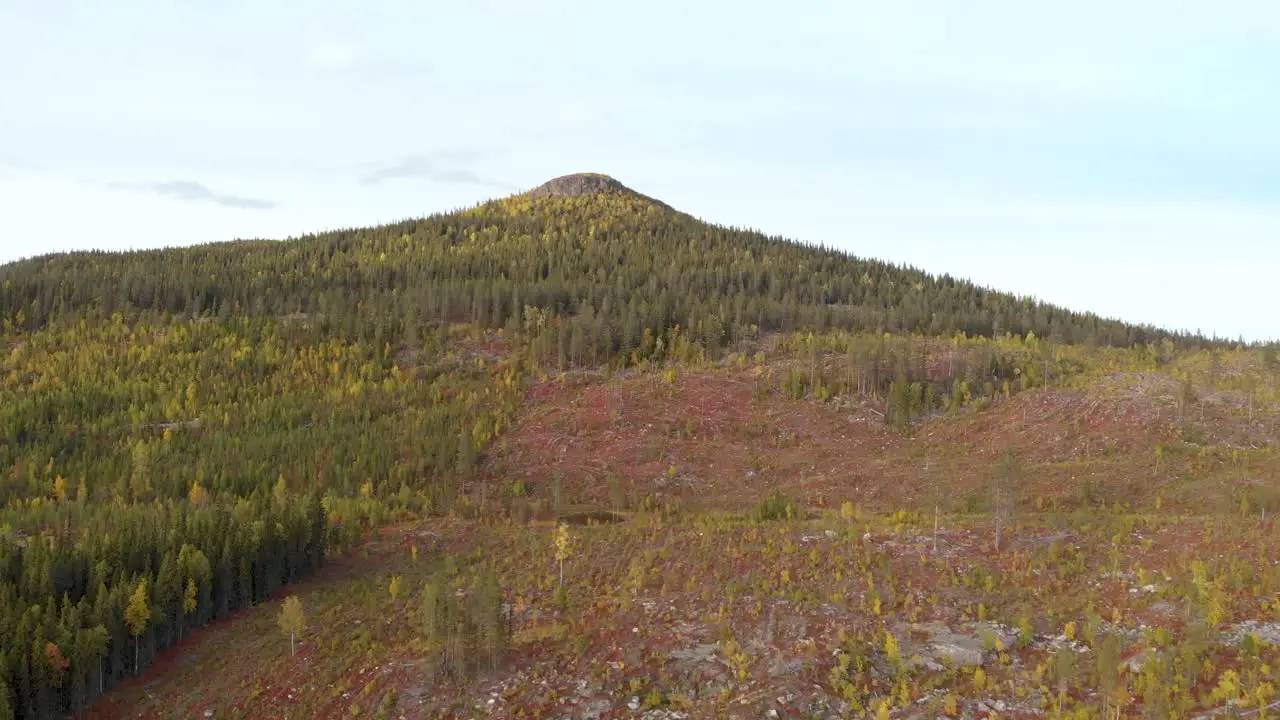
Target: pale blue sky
(1118, 156)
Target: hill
(583, 248)
(457, 438)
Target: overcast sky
(1118, 156)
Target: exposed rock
(1134, 664)
(1263, 632)
(944, 647)
(1053, 643)
(587, 184)
(959, 651)
(579, 184)
(665, 715)
(697, 654)
(1003, 633)
(595, 709)
(780, 667)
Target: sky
(1113, 156)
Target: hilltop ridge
(579, 184)
(583, 184)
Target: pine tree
(434, 597)
(188, 602)
(488, 616)
(466, 454)
(1004, 490)
(140, 478)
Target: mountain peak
(579, 184)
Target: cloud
(11, 163)
(341, 58)
(451, 166)
(190, 191)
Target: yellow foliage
(291, 619)
(189, 596)
(563, 542)
(137, 615)
(197, 495)
(891, 649)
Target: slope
(887, 588)
(189, 432)
(609, 261)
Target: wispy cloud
(10, 163)
(452, 166)
(349, 59)
(190, 191)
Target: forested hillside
(161, 474)
(185, 431)
(583, 248)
